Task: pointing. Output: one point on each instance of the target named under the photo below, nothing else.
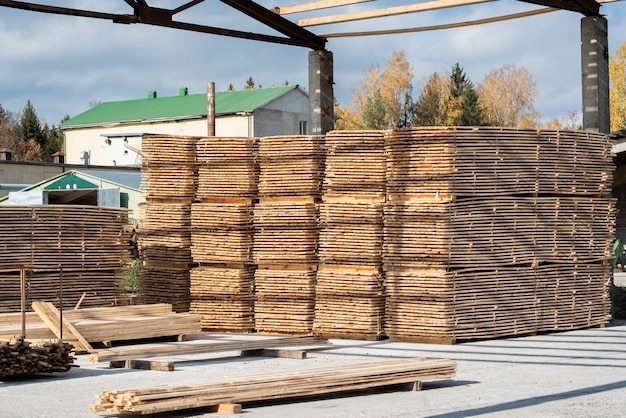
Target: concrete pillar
(321, 96)
(595, 74)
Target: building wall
(104, 145)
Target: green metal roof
(70, 182)
(176, 107)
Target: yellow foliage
(617, 92)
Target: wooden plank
(266, 352)
(162, 366)
(61, 327)
(176, 349)
(275, 386)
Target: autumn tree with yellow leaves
(617, 92)
(384, 99)
(507, 97)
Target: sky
(65, 64)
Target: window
(303, 126)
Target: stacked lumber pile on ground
(350, 299)
(492, 232)
(81, 327)
(285, 239)
(222, 234)
(169, 181)
(274, 386)
(87, 243)
(21, 358)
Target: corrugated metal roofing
(176, 107)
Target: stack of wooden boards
(349, 300)
(222, 234)
(81, 327)
(422, 234)
(169, 182)
(89, 244)
(274, 386)
(492, 232)
(286, 231)
(21, 358)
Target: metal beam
(277, 22)
(142, 13)
(586, 7)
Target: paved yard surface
(578, 373)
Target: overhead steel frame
(594, 49)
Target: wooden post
(210, 114)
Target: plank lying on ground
(177, 349)
(275, 386)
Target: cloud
(63, 63)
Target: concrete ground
(579, 373)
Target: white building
(110, 133)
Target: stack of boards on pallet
(222, 234)
(492, 232)
(350, 299)
(423, 234)
(168, 178)
(285, 238)
(81, 246)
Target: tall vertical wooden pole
(595, 74)
(321, 96)
(210, 111)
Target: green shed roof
(176, 107)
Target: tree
(393, 84)
(249, 84)
(617, 91)
(54, 142)
(374, 113)
(346, 119)
(571, 122)
(429, 109)
(29, 127)
(462, 106)
(507, 97)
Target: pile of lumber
(82, 327)
(169, 181)
(494, 238)
(290, 166)
(226, 168)
(274, 386)
(84, 245)
(168, 167)
(350, 299)
(223, 297)
(222, 234)
(285, 237)
(21, 358)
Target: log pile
(222, 234)
(169, 181)
(274, 386)
(21, 358)
(350, 299)
(495, 238)
(285, 239)
(89, 243)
